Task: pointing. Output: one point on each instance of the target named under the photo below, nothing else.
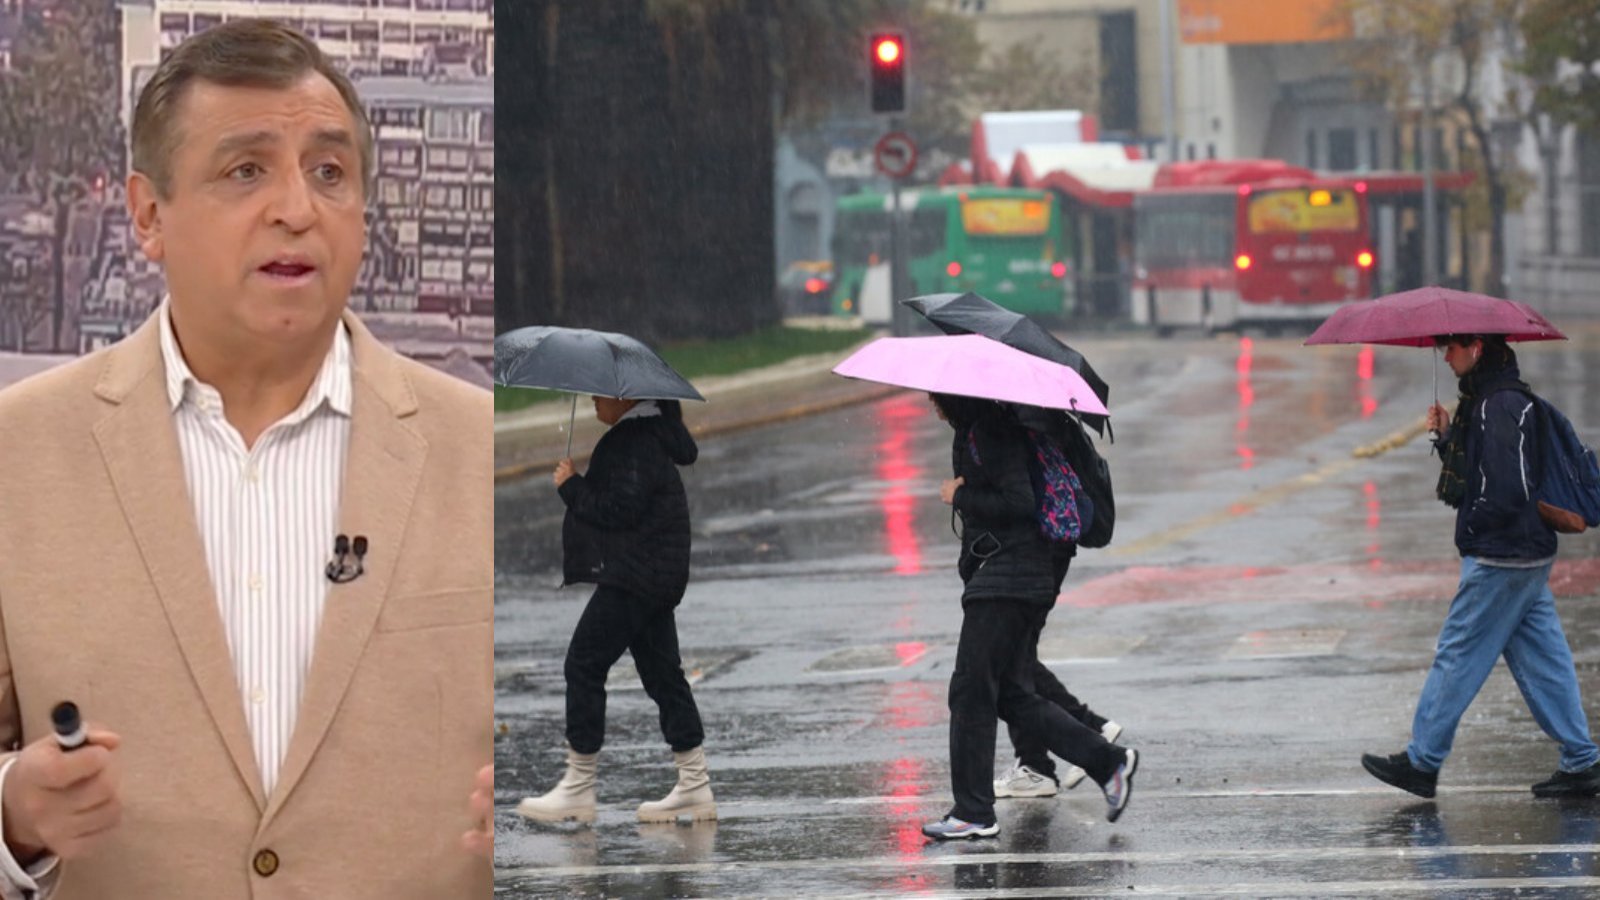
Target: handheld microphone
(340, 570)
(69, 726)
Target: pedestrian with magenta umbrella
(626, 531)
(1514, 472)
(1005, 561)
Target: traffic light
(888, 63)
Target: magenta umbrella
(973, 366)
(1413, 318)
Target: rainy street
(1265, 614)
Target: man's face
(262, 231)
(1462, 357)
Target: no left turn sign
(895, 154)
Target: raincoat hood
(1498, 365)
(676, 439)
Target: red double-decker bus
(1223, 244)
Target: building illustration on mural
(424, 70)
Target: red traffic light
(887, 57)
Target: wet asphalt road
(1265, 615)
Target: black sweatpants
(616, 621)
(1029, 748)
(994, 677)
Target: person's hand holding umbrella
(947, 490)
(1438, 419)
(564, 470)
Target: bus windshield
(1301, 210)
(1183, 230)
(861, 237)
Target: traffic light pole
(899, 284)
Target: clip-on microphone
(340, 570)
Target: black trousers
(994, 677)
(1029, 748)
(616, 621)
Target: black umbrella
(581, 361)
(976, 314)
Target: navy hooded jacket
(1499, 517)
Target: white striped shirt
(268, 516)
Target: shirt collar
(640, 410)
(332, 385)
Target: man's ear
(144, 211)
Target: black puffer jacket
(1003, 553)
(1499, 517)
(627, 523)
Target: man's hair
(258, 53)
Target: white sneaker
(1022, 781)
(1110, 731)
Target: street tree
(1024, 76)
(1560, 62)
(634, 182)
(1400, 43)
(61, 138)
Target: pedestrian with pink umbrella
(1005, 561)
(1490, 474)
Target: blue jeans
(1502, 611)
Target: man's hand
(1438, 419)
(480, 840)
(947, 489)
(60, 802)
(564, 471)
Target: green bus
(1008, 244)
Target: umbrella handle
(572, 422)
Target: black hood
(675, 439)
(1498, 366)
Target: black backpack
(1094, 475)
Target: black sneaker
(1398, 771)
(1570, 784)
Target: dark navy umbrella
(581, 361)
(973, 313)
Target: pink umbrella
(973, 366)
(1413, 318)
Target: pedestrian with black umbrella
(626, 531)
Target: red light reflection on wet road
(1247, 399)
(896, 469)
(1364, 366)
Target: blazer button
(266, 862)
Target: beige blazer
(106, 600)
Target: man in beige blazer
(267, 719)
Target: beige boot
(571, 798)
(690, 797)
